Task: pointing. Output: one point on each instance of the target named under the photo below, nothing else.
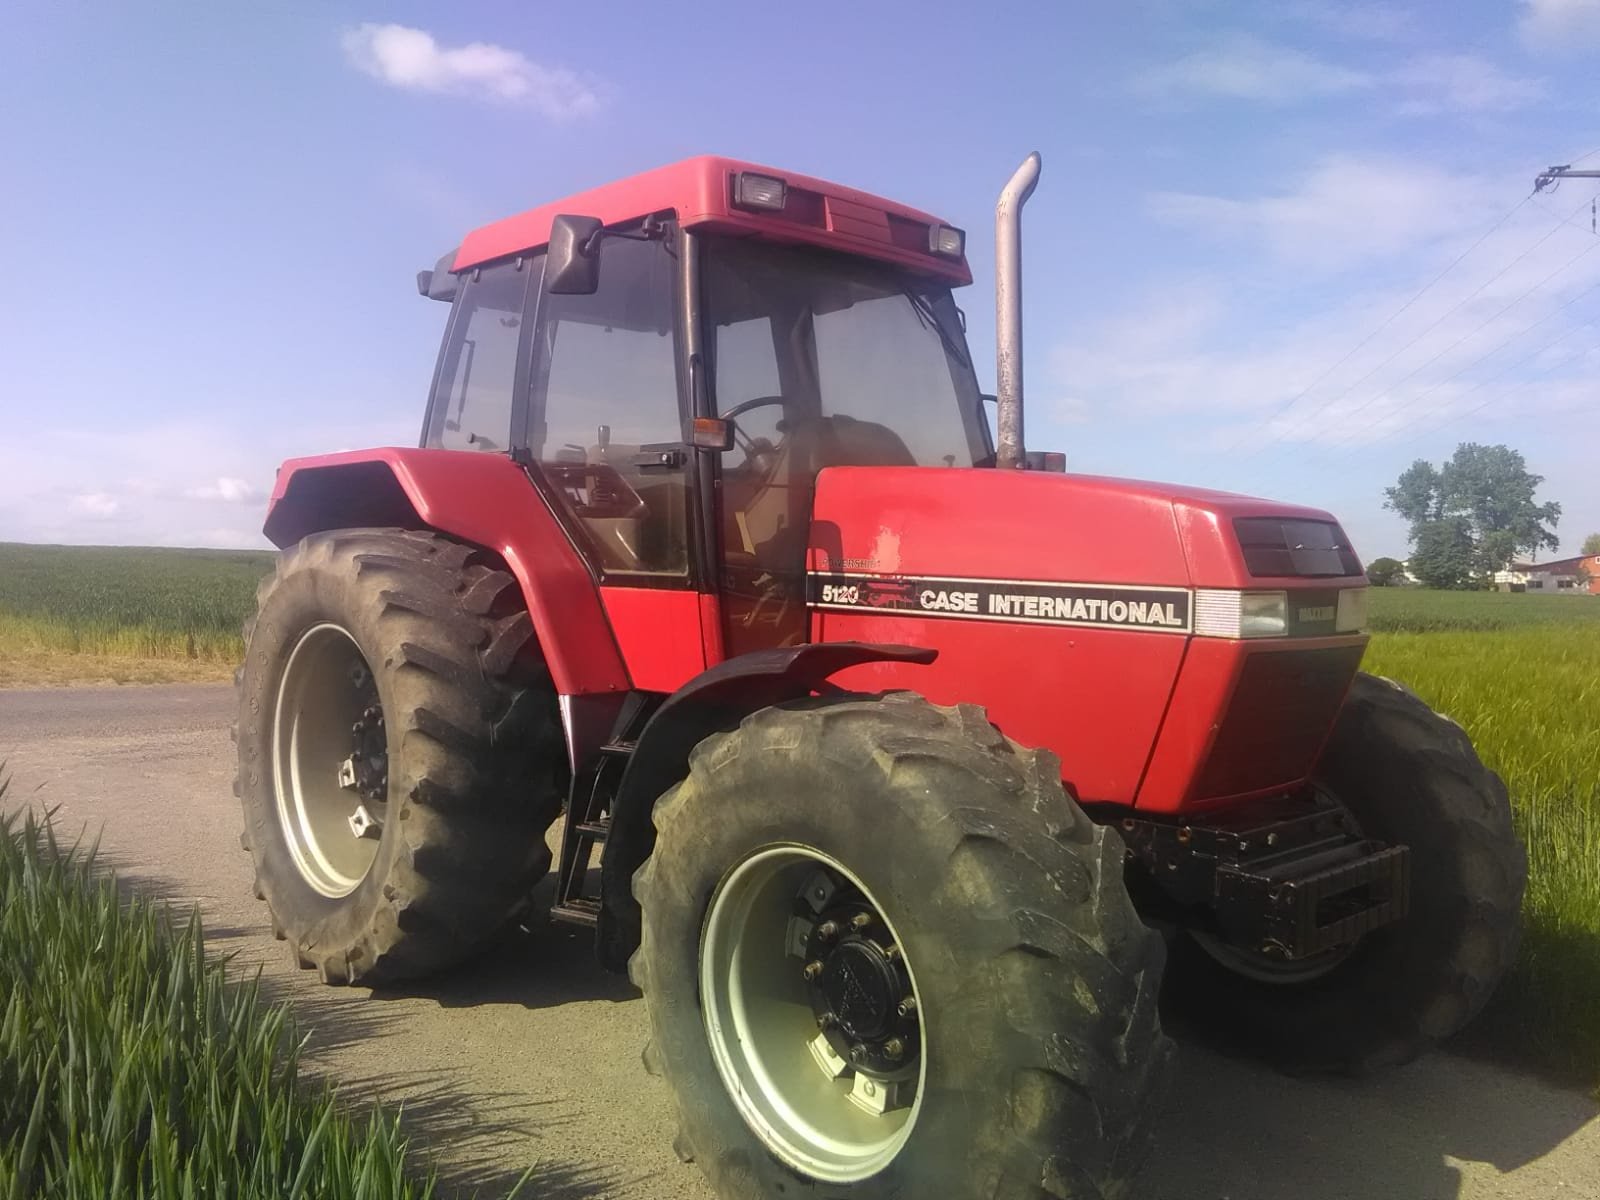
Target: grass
(1418, 610)
(1522, 675)
(130, 614)
(130, 1065)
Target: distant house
(1571, 576)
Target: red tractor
(912, 762)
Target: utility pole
(1552, 175)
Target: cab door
(604, 430)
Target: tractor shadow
(538, 964)
(1235, 1130)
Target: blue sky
(212, 216)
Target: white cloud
(1243, 67)
(1460, 83)
(413, 59)
(1505, 355)
(1560, 25)
(97, 505)
(1343, 213)
(226, 488)
(1369, 22)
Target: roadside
(532, 1053)
(25, 667)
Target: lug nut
(907, 1006)
(860, 921)
(813, 969)
(894, 1048)
(892, 953)
(827, 1021)
(828, 930)
(858, 1053)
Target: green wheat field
(1521, 673)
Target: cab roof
(698, 192)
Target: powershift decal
(1117, 606)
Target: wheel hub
(860, 991)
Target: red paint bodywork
(698, 191)
(1133, 715)
(659, 632)
(481, 498)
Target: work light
(761, 192)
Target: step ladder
(588, 823)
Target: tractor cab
(680, 379)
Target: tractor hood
(1050, 528)
(1175, 647)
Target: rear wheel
(885, 955)
(1407, 775)
(400, 754)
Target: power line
(1283, 434)
(1477, 408)
(1345, 447)
(1392, 388)
(1387, 321)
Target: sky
(1283, 248)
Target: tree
(1445, 554)
(1485, 494)
(1591, 544)
(1385, 572)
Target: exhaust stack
(1010, 453)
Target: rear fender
(712, 702)
(484, 499)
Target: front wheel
(885, 955)
(1406, 775)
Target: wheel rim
(1278, 971)
(817, 1033)
(330, 766)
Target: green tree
(1591, 544)
(1385, 572)
(1490, 492)
(1445, 554)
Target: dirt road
(532, 1055)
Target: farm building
(1574, 576)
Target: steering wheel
(746, 443)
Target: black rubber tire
(1039, 983)
(477, 764)
(1408, 775)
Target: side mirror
(439, 283)
(572, 262)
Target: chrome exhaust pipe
(1010, 453)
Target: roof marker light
(946, 240)
(762, 192)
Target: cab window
(471, 408)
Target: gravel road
(532, 1055)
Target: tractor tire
(396, 671)
(1032, 1061)
(1407, 775)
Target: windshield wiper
(924, 309)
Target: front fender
(484, 499)
(712, 702)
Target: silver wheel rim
(1278, 971)
(806, 1104)
(326, 690)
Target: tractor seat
(766, 518)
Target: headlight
(1227, 613)
(1352, 614)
